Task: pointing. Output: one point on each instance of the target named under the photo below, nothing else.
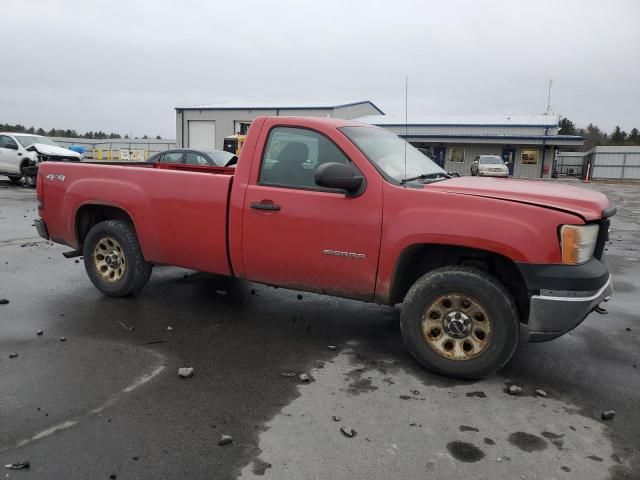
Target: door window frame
(11, 139)
(357, 171)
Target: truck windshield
(491, 160)
(387, 151)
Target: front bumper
(492, 174)
(41, 227)
(561, 296)
(552, 315)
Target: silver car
(489, 166)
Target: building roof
(465, 120)
(282, 106)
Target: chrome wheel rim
(457, 326)
(109, 260)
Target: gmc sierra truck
(351, 210)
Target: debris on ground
(608, 414)
(77, 261)
(221, 292)
(331, 347)
(541, 393)
(348, 432)
(336, 418)
(304, 377)
(113, 476)
(185, 372)
(415, 392)
(124, 326)
(18, 465)
(3, 301)
(299, 297)
(628, 329)
(169, 328)
(154, 342)
(225, 440)
(514, 390)
(253, 291)
(288, 374)
(39, 332)
(63, 339)
(13, 355)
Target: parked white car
(489, 166)
(21, 153)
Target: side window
(172, 157)
(292, 156)
(6, 142)
(196, 159)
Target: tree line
(54, 132)
(595, 137)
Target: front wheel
(113, 259)
(460, 322)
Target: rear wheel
(113, 259)
(460, 322)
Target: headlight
(578, 243)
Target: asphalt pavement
(97, 393)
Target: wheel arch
(419, 259)
(90, 214)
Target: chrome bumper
(556, 313)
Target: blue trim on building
(509, 125)
(497, 137)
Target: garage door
(202, 134)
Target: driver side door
(299, 235)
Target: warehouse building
(205, 126)
(527, 143)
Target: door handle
(19, 154)
(265, 205)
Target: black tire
(136, 270)
(16, 180)
(484, 289)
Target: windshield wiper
(425, 176)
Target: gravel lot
(107, 402)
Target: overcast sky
(124, 65)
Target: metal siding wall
(622, 163)
(354, 111)
(632, 166)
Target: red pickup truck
(347, 209)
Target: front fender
(520, 232)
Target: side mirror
(11, 146)
(337, 175)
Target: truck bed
(180, 211)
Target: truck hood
(54, 151)
(588, 204)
